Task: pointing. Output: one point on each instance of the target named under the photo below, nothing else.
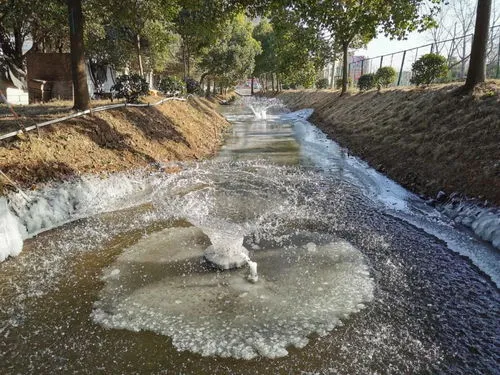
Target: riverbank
(426, 139)
(111, 141)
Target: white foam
(54, 205)
(222, 313)
(11, 232)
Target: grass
(426, 138)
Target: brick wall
(49, 76)
(49, 66)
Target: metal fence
(456, 50)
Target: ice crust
(159, 286)
(11, 232)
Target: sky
(382, 45)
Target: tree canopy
(222, 41)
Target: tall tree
(476, 72)
(80, 88)
(232, 56)
(363, 19)
(266, 61)
(134, 20)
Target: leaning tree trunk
(476, 72)
(345, 49)
(80, 88)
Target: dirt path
(425, 138)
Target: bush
(428, 68)
(385, 76)
(338, 83)
(193, 86)
(322, 83)
(367, 82)
(172, 86)
(130, 87)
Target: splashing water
(339, 277)
(260, 106)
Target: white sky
(382, 45)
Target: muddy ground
(110, 141)
(427, 139)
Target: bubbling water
(260, 106)
(157, 287)
(307, 282)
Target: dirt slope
(425, 138)
(116, 140)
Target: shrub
(385, 76)
(322, 83)
(428, 68)
(130, 87)
(367, 82)
(338, 83)
(172, 86)
(193, 86)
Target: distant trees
(364, 18)
(211, 41)
(232, 56)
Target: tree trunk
(272, 81)
(207, 92)
(188, 61)
(345, 49)
(80, 88)
(332, 78)
(476, 72)
(183, 48)
(251, 86)
(139, 56)
(215, 88)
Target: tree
(349, 19)
(199, 23)
(476, 72)
(266, 61)
(80, 88)
(232, 56)
(300, 49)
(135, 22)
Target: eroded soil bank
(115, 140)
(427, 139)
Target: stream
(284, 254)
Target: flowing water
(341, 271)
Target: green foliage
(428, 68)
(265, 62)
(385, 76)
(322, 83)
(130, 87)
(232, 56)
(351, 20)
(338, 82)
(193, 86)
(172, 86)
(367, 82)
